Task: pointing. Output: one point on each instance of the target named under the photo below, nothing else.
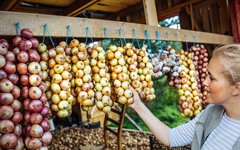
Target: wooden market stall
(120, 18)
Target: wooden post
(235, 19)
(150, 12)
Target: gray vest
(207, 122)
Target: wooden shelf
(57, 26)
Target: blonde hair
(229, 56)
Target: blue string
(69, 31)
(158, 36)
(147, 37)
(168, 43)
(44, 33)
(176, 41)
(186, 41)
(18, 28)
(88, 34)
(122, 36)
(105, 30)
(53, 44)
(135, 37)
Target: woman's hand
(136, 98)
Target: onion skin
(16, 40)
(45, 111)
(17, 117)
(10, 56)
(36, 118)
(35, 106)
(25, 45)
(47, 138)
(18, 130)
(34, 143)
(34, 43)
(6, 112)
(16, 105)
(20, 144)
(26, 33)
(8, 141)
(10, 67)
(16, 91)
(6, 98)
(27, 117)
(13, 78)
(3, 74)
(36, 131)
(6, 126)
(45, 125)
(6, 86)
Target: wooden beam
(78, 7)
(150, 12)
(57, 26)
(10, 5)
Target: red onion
(16, 91)
(22, 68)
(27, 130)
(13, 78)
(27, 117)
(6, 85)
(6, 98)
(45, 111)
(8, 141)
(34, 143)
(16, 105)
(34, 43)
(36, 118)
(6, 112)
(45, 125)
(16, 50)
(17, 117)
(2, 61)
(25, 45)
(3, 49)
(33, 56)
(43, 98)
(20, 144)
(34, 92)
(10, 67)
(22, 57)
(26, 103)
(6, 126)
(25, 92)
(36, 131)
(4, 42)
(24, 80)
(10, 56)
(26, 33)
(47, 138)
(35, 106)
(16, 40)
(3, 74)
(43, 87)
(18, 130)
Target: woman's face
(219, 88)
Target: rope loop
(135, 38)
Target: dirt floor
(76, 138)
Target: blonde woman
(218, 126)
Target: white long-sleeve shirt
(221, 138)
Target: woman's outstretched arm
(158, 128)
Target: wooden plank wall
(235, 19)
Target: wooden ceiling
(67, 7)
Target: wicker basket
(156, 145)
